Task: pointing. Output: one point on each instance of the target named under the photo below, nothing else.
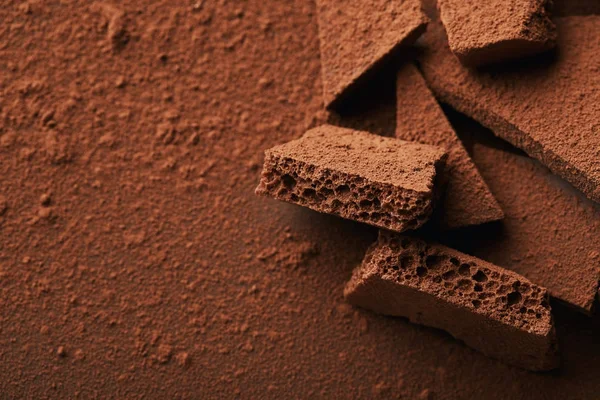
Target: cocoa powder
(154, 271)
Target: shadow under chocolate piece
(493, 310)
(357, 37)
(547, 106)
(467, 200)
(484, 32)
(381, 181)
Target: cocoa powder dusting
(135, 259)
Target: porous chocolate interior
(349, 196)
(462, 280)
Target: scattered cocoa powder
(225, 80)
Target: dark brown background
(135, 260)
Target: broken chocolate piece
(381, 181)
(467, 199)
(548, 106)
(358, 37)
(493, 310)
(483, 32)
(547, 222)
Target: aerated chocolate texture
(359, 36)
(493, 310)
(548, 106)
(483, 32)
(550, 233)
(381, 181)
(467, 199)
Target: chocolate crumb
(61, 352)
(45, 199)
(3, 205)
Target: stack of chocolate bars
(531, 79)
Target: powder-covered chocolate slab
(381, 181)
(548, 106)
(467, 199)
(359, 36)
(483, 32)
(550, 234)
(493, 310)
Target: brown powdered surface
(154, 271)
(358, 37)
(550, 234)
(483, 32)
(382, 181)
(493, 310)
(466, 200)
(547, 106)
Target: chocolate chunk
(359, 36)
(381, 181)
(467, 199)
(493, 310)
(547, 223)
(548, 106)
(483, 32)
